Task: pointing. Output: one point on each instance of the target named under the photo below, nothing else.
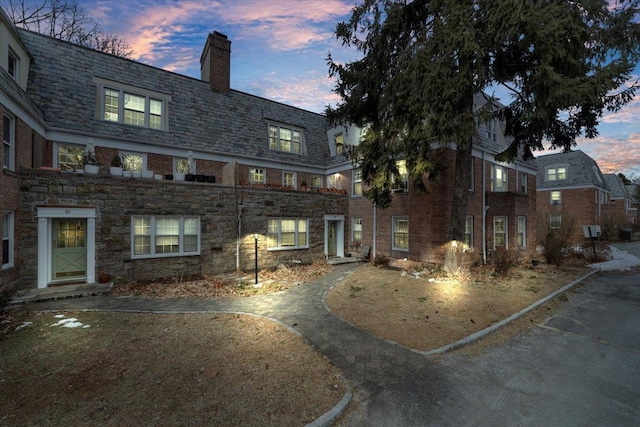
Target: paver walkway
(363, 357)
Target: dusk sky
(279, 50)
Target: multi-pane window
(338, 140)
(181, 165)
(556, 173)
(285, 139)
(134, 162)
(468, 232)
(287, 233)
(491, 127)
(70, 157)
(524, 187)
(522, 231)
(8, 143)
(257, 175)
(289, 179)
(400, 231)
(356, 230)
(133, 109)
(12, 65)
(498, 178)
(334, 181)
(402, 180)
(165, 236)
(555, 221)
(499, 231)
(7, 239)
(357, 182)
(555, 197)
(316, 181)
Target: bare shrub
(504, 261)
(381, 260)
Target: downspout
(375, 232)
(238, 238)
(484, 209)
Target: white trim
(45, 217)
(393, 233)
(506, 231)
(11, 237)
(339, 219)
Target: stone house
(572, 193)
(500, 211)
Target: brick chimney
(215, 62)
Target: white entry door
(69, 249)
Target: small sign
(591, 231)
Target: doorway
(69, 253)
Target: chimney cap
(216, 33)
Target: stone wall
(117, 199)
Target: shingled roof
(616, 186)
(582, 171)
(61, 83)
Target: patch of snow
(59, 316)
(70, 322)
(24, 325)
(620, 260)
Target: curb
(486, 331)
(332, 414)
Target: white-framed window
(555, 221)
(491, 127)
(471, 176)
(134, 162)
(556, 173)
(289, 179)
(8, 241)
(356, 230)
(131, 105)
(257, 175)
(522, 232)
(401, 181)
(69, 157)
(287, 233)
(334, 181)
(338, 142)
(181, 165)
(13, 65)
(400, 231)
(555, 197)
(524, 187)
(499, 231)
(8, 142)
(316, 181)
(468, 232)
(499, 178)
(286, 139)
(357, 183)
(164, 236)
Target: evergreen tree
(564, 62)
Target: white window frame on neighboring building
(181, 165)
(333, 181)
(356, 230)
(131, 105)
(524, 187)
(338, 143)
(555, 197)
(400, 182)
(287, 233)
(555, 221)
(501, 231)
(316, 181)
(8, 142)
(468, 232)
(499, 178)
(257, 175)
(285, 138)
(68, 157)
(133, 161)
(289, 179)
(400, 233)
(148, 232)
(8, 239)
(356, 188)
(521, 236)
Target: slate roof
(616, 186)
(61, 84)
(582, 171)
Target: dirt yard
(426, 311)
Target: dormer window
(556, 173)
(285, 139)
(338, 140)
(491, 126)
(12, 65)
(401, 182)
(132, 106)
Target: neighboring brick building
(572, 193)
(500, 211)
(621, 212)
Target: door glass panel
(71, 234)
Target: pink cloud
(614, 155)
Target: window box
(115, 171)
(201, 178)
(91, 169)
(190, 177)
(147, 174)
(178, 176)
(211, 179)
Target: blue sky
(279, 50)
